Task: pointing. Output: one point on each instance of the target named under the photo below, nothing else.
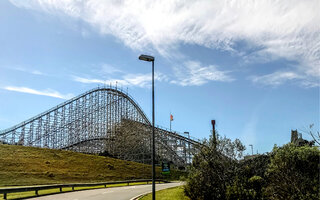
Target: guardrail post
(60, 188)
(72, 188)
(4, 195)
(37, 192)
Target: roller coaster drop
(102, 120)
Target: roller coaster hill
(104, 120)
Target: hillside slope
(21, 165)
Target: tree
(232, 149)
(313, 133)
(241, 190)
(213, 168)
(249, 178)
(293, 173)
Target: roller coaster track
(103, 119)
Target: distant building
(296, 138)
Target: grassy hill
(21, 165)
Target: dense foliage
(213, 168)
(294, 173)
(288, 172)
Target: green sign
(165, 168)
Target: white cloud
(271, 29)
(280, 77)
(276, 78)
(138, 80)
(47, 92)
(109, 69)
(86, 80)
(31, 71)
(193, 73)
(36, 72)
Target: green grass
(20, 166)
(175, 193)
(25, 166)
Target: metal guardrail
(6, 191)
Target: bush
(212, 169)
(209, 178)
(288, 172)
(293, 173)
(239, 190)
(255, 166)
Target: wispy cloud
(190, 73)
(88, 80)
(194, 73)
(276, 78)
(110, 69)
(31, 71)
(47, 92)
(36, 72)
(271, 29)
(279, 77)
(138, 80)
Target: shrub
(293, 173)
(212, 169)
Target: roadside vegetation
(21, 165)
(288, 172)
(176, 193)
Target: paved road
(116, 193)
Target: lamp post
(151, 59)
(251, 148)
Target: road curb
(143, 194)
(139, 196)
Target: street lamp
(251, 148)
(151, 59)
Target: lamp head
(146, 58)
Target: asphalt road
(116, 193)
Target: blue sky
(251, 65)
